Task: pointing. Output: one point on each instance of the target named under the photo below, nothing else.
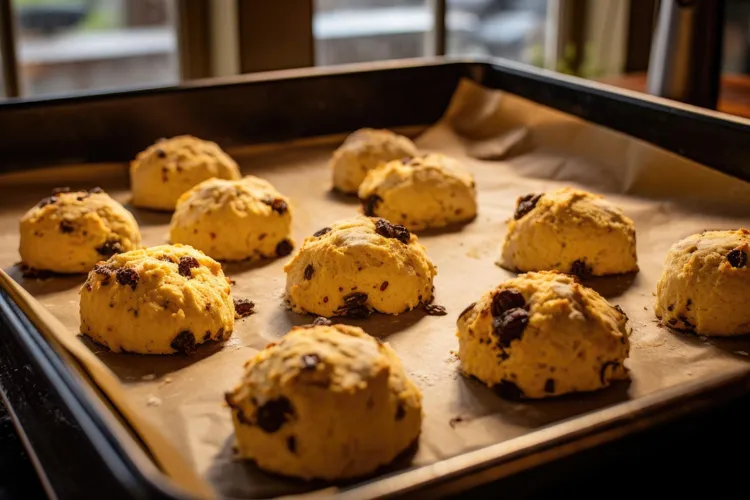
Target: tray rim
(624, 415)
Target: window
(348, 31)
(75, 45)
(512, 29)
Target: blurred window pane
(513, 29)
(348, 31)
(76, 45)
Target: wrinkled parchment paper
(513, 147)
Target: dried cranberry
(370, 204)
(581, 269)
(355, 306)
(186, 264)
(277, 205)
(272, 415)
(103, 270)
(506, 299)
(388, 230)
(737, 258)
(284, 248)
(184, 342)
(110, 248)
(309, 271)
(526, 204)
(127, 276)
(243, 307)
(321, 232)
(435, 310)
(510, 325)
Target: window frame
(228, 37)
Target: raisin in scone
(543, 334)
(427, 191)
(358, 266)
(69, 232)
(165, 170)
(158, 300)
(364, 150)
(326, 402)
(705, 284)
(570, 231)
(234, 220)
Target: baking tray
(73, 444)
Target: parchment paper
(523, 148)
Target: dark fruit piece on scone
(526, 204)
(507, 299)
(510, 325)
(581, 269)
(284, 248)
(395, 231)
(737, 258)
(272, 415)
(371, 203)
(184, 342)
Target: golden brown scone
(543, 334)
(570, 231)
(158, 300)
(705, 284)
(326, 402)
(357, 266)
(69, 232)
(364, 150)
(165, 170)
(234, 220)
(422, 192)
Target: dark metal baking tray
(75, 451)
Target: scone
(234, 220)
(570, 231)
(543, 334)
(364, 150)
(422, 192)
(705, 284)
(157, 300)
(326, 402)
(165, 170)
(69, 232)
(358, 266)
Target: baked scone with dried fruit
(427, 191)
(358, 266)
(571, 231)
(234, 220)
(364, 150)
(705, 284)
(158, 300)
(165, 170)
(543, 334)
(71, 231)
(326, 402)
